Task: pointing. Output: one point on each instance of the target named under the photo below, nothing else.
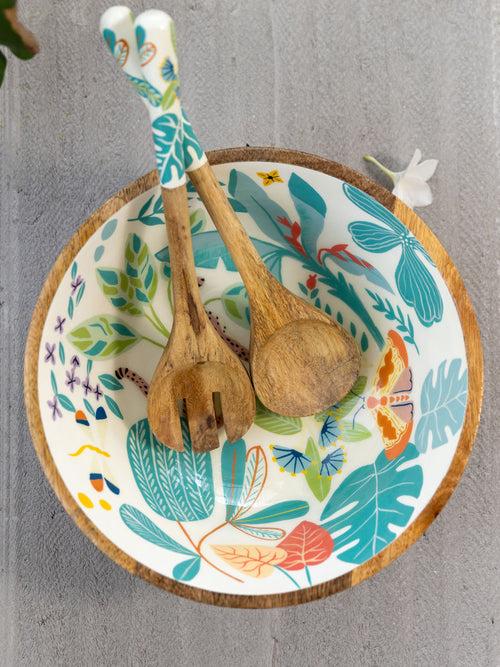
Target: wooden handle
(187, 301)
(243, 252)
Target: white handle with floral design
(145, 50)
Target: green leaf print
(103, 336)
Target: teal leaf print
(260, 532)
(209, 249)
(110, 39)
(167, 137)
(187, 570)
(233, 462)
(140, 36)
(103, 337)
(196, 221)
(113, 406)
(141, 525)
(311, 209)
(62, 355)
(109, 229)
(110, 382)
(319, 484)
(53, 382)
(415, 283)
(288, 509)
(146, 90)
(235, 302)
(176, 485)
(192, 149)
(71, 307)
(117, 287)
(66, 403)
(403, 324)
(259, 205)
(274, 423)
(151, 215)
(442, 404)
(89, 407)
(368, 502)
(140, 270)
(79, 294)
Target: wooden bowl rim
(473, 347)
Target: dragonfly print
(415, 283)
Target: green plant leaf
(367, 504)
(261, 532)
(442, 405)
(319, 485)
(117, 287)
(102, 337)
(169, 95)
(233, 473)
(274, 423)
(187, 570)
(176, 485)
(140, 270)
(356, 433)
(235, 302)
(197, 221)
(288, 509)
(142, 525)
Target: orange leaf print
(254, 560)
(307, 544)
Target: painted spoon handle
(155, 35)
(158, 92)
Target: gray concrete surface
(336, 77)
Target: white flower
(410, 185)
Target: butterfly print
(390, 402)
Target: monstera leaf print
(176, 485)
(103, 336)
(442, 404)
(192, 149)
(367, 504)
(167, 137)
(415, 283)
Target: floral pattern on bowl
(297, 502)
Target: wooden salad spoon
(301, 361)
(196, 367)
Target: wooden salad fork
(196, 367)
(301, 361)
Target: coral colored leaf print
(254, 560)
(233, 462)
(176, 485)
(142, 525)
(442, 404)
(274, 423)
(307, 544)
(103, 337)
(367, 504)
(311, 209)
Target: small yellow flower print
(269, 177)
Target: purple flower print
(59, 324)
(98, 393)
(75, 362)
(75, 284)
(87, 387)
(72, 380)
(50, 356)
(54, 406)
